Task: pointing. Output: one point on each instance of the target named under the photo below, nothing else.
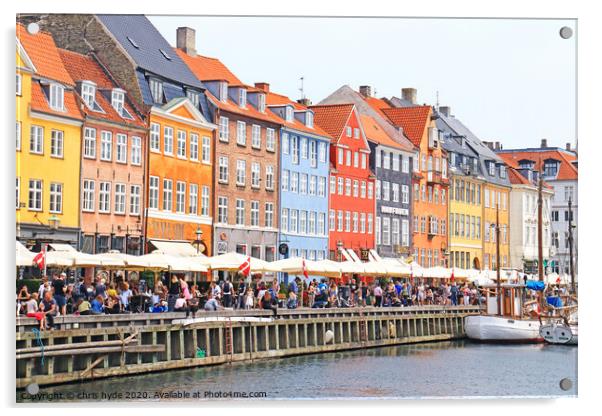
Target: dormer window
(156, 88)
(491, 167)
(223, 91)
(57, 97)
(242, 98)
(526, 164)
(193, 96)
(88, 91)
(502, 171)
(550, 167)
(289, 114)
(261, 102)
(309, 119)
(117, 99)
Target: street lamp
(54, 222)
(197, 242)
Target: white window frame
(205, 200)
(222, 210)
(121, 148)
(194, 147)
(269, 177)
(241, 133)
(104, 197)
(155, 137)
(269, 215)
(167, 195)
(106, 145)
(35, 194)
(56, 143)
(118, 100)
(255, 175)
(36, 140)
(120, 194)
(18, 136)
(181, 150)
(254, 214)
(241, 172)
(88, 195)
(168, 140)
(135, 194)
(240, 212)
(224, 129)
(153, 192)
(156, 88)
(270, 140)
(322, 152)
(88, 90)
(256, 136)
(206, 150)
(285, 180)
(56, 97)
(56, 198)
(181, 197)
(284, 220)
(223, 174)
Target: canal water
(442, 369)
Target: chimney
(366, 90)
(568, 146)
(264, 86)
(185, 40)
(497, 146)
(489, 145)
(445, 110)
(304, 101)
(544, 143)
(409, 94)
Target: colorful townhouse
(246, 156)
(391, 156)
(179, 179)
(351, 184)
(48, 131)
(560, 171)
(304, 175)
(465, 195)
(429, 186)
(113, 162)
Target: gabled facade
(430, 184)
(391, 158)
(48, 128)
(246, 180)
(113, 160)
(560, 171)
(351, 183)
(304, 175)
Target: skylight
(165, 54)
(133, 42)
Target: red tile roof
(85, 68)
(277, 99)
(376, 134)
(413, 120)
(566, 171)
(516, 178)
(377, 104)
(39, 102)
(44, 54)
(212, 69)
(332, 118)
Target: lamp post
(496, 226)
(199, 235)
(339, 247)
(54, 222)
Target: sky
(512, 81)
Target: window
(405, 233)
(340, 157)
(293, 224)
(223, 169)
(378, 159)
(304, 148)
(205, 200)
(241, 133)
(348, 157)
(120, 198)
(423, 160)
(270, 139)
(364, 161)
(502, 171)
(550, 168)
(356, 159)
(88, 196)
(355, 222)
(155, 138)
(284, 220)
(36, 140)
(254, 213)
(117, 100)
(369, 223)
(568, 193)
(224, 130)
(347, 221)
(395, 163)
(363, 190)
(18, 84)
(156, 88)
(106, 145)
(395, 189)
(309, 119)
(405, 194)
(121, 148)
(56, 143)
(57, 97)
(331, 220)
(386, 160)
(261, 102)
(322, 152)
(302, 222)
(167, 194)
(18, 128)
(256, 136)
(322, 186)
(340, 185)
(285, 143)
(181, 197)
(355, 188)
(339, 220)
(240, 212)
(312, 184)
(347, 187)
(134, 199)
(313, 153)
(241, 174)
(386, 190)
(423, 191)
(288, 113)
(153, 192)
(168, 140)
(223, 91)
(269, 177)
(222, 210)
(136, 150)
(89, 93)
(491, 168)
(395, 231)
(104, 197)
(56, 198)
(295, 149)
(356, 133)
(294, 181)
(181, 144)
(242, 97)
(321, 224)
(370, 190)
(255, 174)
(205, 150)
(284, 179)
(269, 214)
(35, 195)
(193, 96)
(303, 183)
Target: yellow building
(48, 128)
(496, 197)
(465, 221)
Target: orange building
(180, 174)
(429, 185)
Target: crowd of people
(172, 293)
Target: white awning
(61, 247)
(174, 248)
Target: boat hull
(487, 328)
(559, 333)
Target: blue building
(304, 172)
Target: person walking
(173, 293)
(378, 295)
(227, 299)
(58, 286)
(454, 294)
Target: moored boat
(559, 333)
(502, 329)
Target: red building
(351, 185)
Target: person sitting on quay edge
(83, 307)
(291, 303)
(33, 310)
(212, 305)
(22, 299)
(97, 306)
(269, 303)
(49, 307)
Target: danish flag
(245, 267)
(40, 259)
(452, 276)
(304, 269)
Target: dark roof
(147, 55)
(400, 102)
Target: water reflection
(450, 368)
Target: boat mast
(540, 235)
(571, 226)
(497, 263)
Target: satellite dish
(33, 28)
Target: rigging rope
(38, 335)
